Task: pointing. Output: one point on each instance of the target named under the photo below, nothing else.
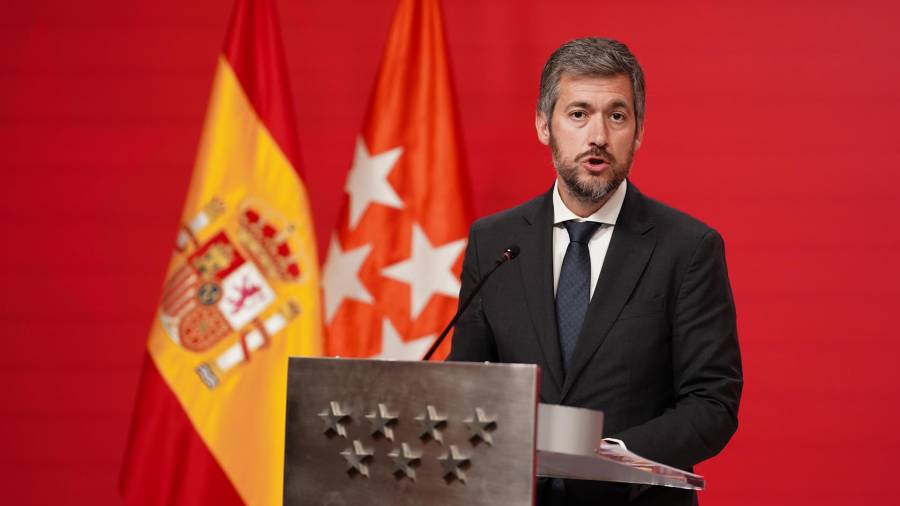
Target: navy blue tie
(574, 285)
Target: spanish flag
(240, 296)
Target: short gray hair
(591, 56)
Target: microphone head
(511, 252)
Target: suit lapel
(536, 269)
(629, 251)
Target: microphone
(508, 254)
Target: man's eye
(617, 116)
(578, 114)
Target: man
(623, 302)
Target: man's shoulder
(675, 222)
(510, 217)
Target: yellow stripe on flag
(241, 294)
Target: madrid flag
(241, 294)
(391, 278)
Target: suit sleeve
(473, 340)
(707, 367)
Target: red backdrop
(772, 122)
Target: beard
(588, 187)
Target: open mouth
(597, 162)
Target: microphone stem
(462, 309)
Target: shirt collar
(608, 214)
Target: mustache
(597, 152)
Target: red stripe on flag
(166, 462)
(254, 50)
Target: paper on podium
(567, 453)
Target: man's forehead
(595, 89)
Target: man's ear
(542, 125)
(639, 136)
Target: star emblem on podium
(432, 423)
(357, 456)
(381, 420)
(480, 426)
(453, 462)
(404, 460)
(335, 419)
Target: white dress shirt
(599, 243)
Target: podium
(440, 433)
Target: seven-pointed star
(381, 420)
(431, 422)
(367, 181)
(452, 462)
(404, 460)
(356, 457)
(340, 277)
(334, 417)
(480, 426)
(393, 347)
(428, 270)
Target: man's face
(592, 134)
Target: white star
(428, 270)
(367, 181)
(393, 347)
(340, 278)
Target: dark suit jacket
(658, 352)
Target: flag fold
(391, 278)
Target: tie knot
(581, 231)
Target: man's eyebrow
(617, 104)
(579, 105)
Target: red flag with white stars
(391, 278)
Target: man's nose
(598, 134)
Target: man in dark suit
(623, 302)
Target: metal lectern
(362, 432)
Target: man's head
(591, 56)
(590, 113)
